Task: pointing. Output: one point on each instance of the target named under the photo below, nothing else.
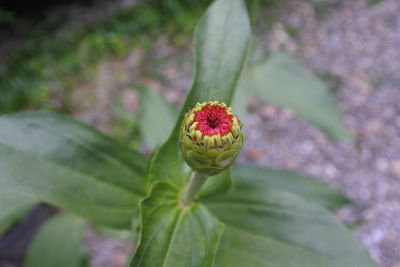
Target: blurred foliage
(6, 17)
(13, 208)
(155, 108)
(46, 60)
(281, 80)
(52, 247)
(126, 126)
(374, 2)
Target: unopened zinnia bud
(210, 137)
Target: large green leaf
(252, 178)
(221, 42)
(281, 80)
(174, 235)
(75, 146)
(74, 191)
(222, 39)
(156, 114)
(54, 159)
(58, 243)
(277, 228)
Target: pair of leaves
(174, 234)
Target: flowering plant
(259, 218)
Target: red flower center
(213, 120)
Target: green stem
(193, 187)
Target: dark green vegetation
(246, 216)
(47, 56)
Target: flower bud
(210, 137)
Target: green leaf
(13, 207)
(167, 164)
(281, 80)
(174, 235)
(57, 243)
(70, 165)
(277, 228)
(221, 42)
(156, 114)
(74, 145)
(222, 39)
(11, 201)
(74, 191)
(257, 178)
(217, 185)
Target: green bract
(210, 137)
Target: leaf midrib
(173, 236)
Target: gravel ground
(355, 44)
(358, 45)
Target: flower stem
(193, 187)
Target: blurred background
(106, 63)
